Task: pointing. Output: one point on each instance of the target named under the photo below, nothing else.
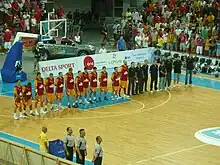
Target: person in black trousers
(189, 69)
(131, 79)
(98, 152)
(145, 68)
(169, 68)
(154, 76)
(69, 144)
(81, 150)
(139, 80)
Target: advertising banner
(109, 60)
(61, 65)
(28, 43)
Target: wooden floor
(153, 129)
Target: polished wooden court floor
(153, 129)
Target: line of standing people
(161, 70)
(79, 146)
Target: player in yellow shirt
(43, 141)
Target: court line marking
(139, 110)
(171, 153)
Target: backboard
(54, 28)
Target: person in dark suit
(169, 67)
(189, 69)
(131, 79)
(154, 76)
(139, 80)
(145, 68)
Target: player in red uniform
(70, 88)
(79, 87)
(59, 83)
(85, 83)
(18, 100)
(123, 78)
(27, 98)
(115, 83)
(39, 93)
(103, 79)
(49, 87)
(93, 85)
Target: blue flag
(12, 68)
(56, 148)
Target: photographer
(38, 51)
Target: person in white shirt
(135, 16)
(145, 40)
(77, 38)
(188, 16)
(123, 23)
(27, 21)
(33, 24)
(165, 40)
(98, 152)
(102, 50)
(138, 41)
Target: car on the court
(66, 49)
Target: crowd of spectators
(25, 16)
(186, 26)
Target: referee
(81, 151)
(98, 152)
(69, 144)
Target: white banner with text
(110, 60)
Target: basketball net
(58, 40)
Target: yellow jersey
(42, 140)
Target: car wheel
(83, 53)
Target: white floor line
(171, 153)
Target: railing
(16, 154)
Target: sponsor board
(139, 55)
(109, 60)
(209, 136)
(62, 65)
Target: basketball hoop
(58, 40)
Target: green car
(67, 49)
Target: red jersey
(18, 93)
(7, 37)
(22, 24)
(60, 12)
(124, 73)
(85, 80)
(79, 83)
(14, 5)
(93, 79)
(103, 79)
(27, 92)
(69, 81)
(115, 79)
(39, 85)
(49, 85)
(182, 38)
(59, 84)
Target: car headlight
(92, 48)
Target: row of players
(75, 88)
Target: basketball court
(148, 129)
